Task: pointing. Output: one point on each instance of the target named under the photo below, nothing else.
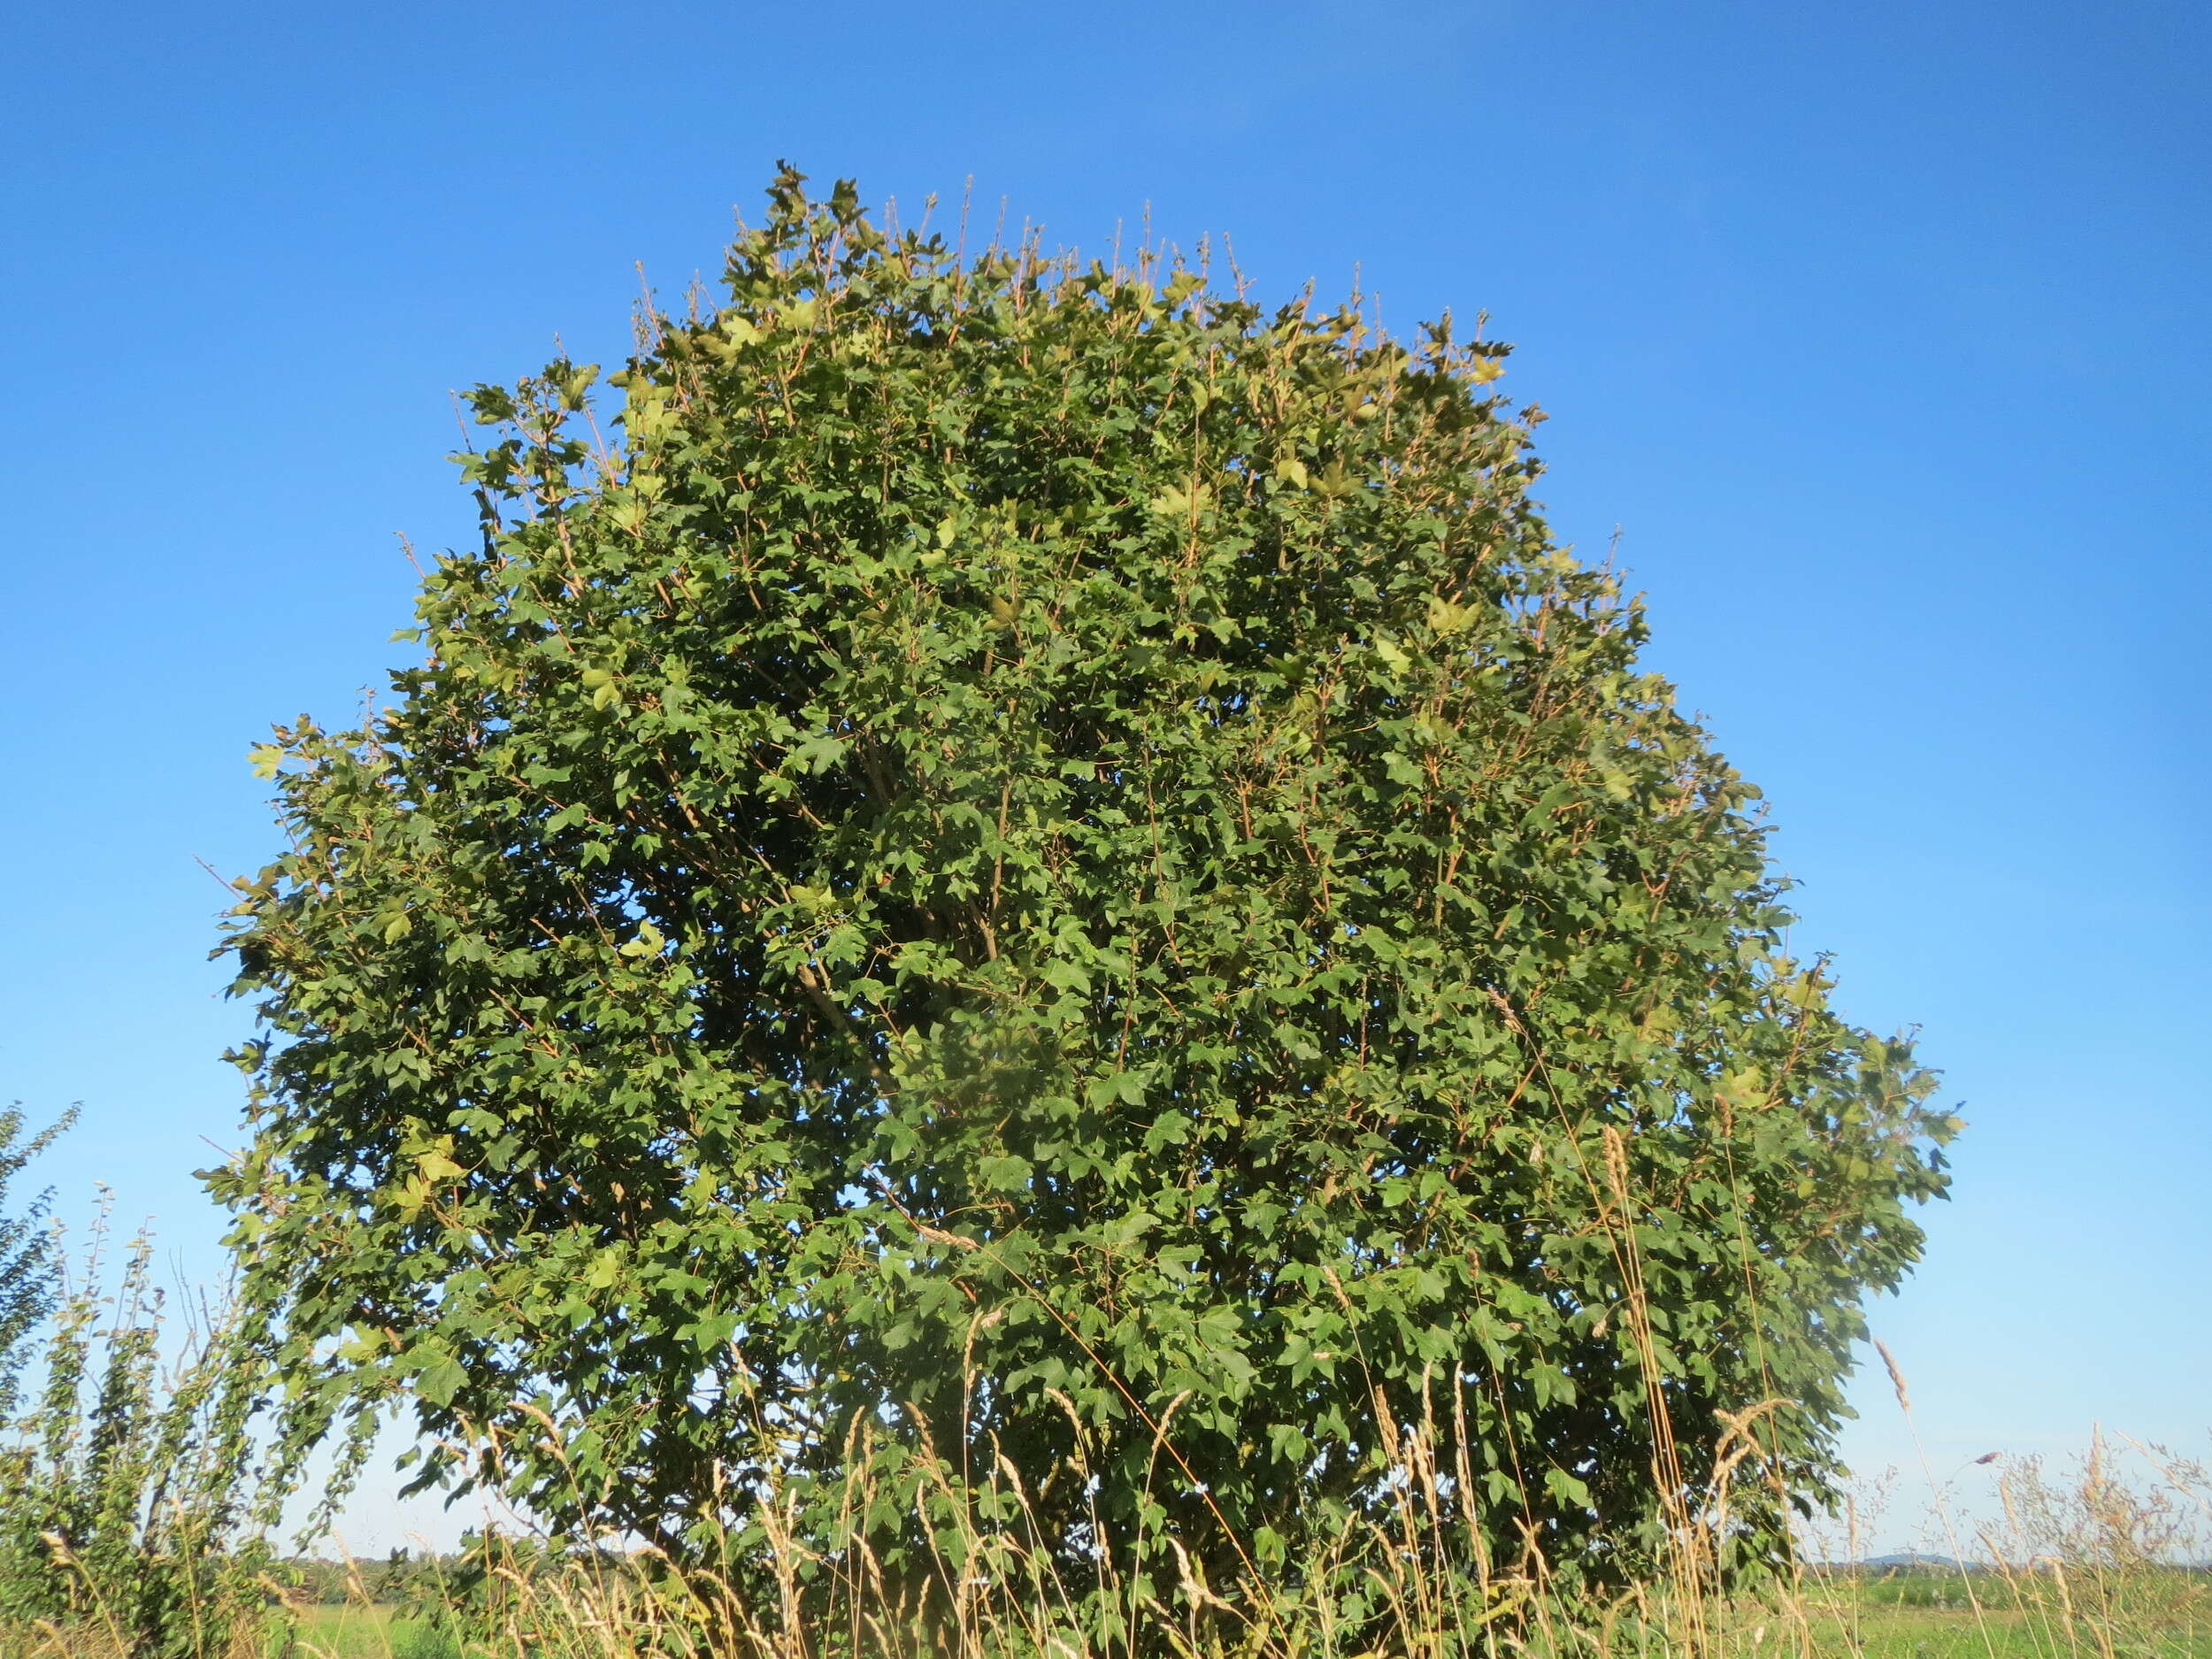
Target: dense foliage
(29, 1268)
(1033, 877)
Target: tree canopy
(1038, 866)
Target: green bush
(1033, 891)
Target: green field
(348, 1632)
(2158, 1615)
(2162, 1613)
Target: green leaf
(441, 1379)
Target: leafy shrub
(1041, 897)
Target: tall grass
(2093, 1563)
(2093, 1566)
(2108, 1558)
(511, 1597)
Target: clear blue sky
(1880, 330)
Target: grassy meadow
(2155, 1613)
